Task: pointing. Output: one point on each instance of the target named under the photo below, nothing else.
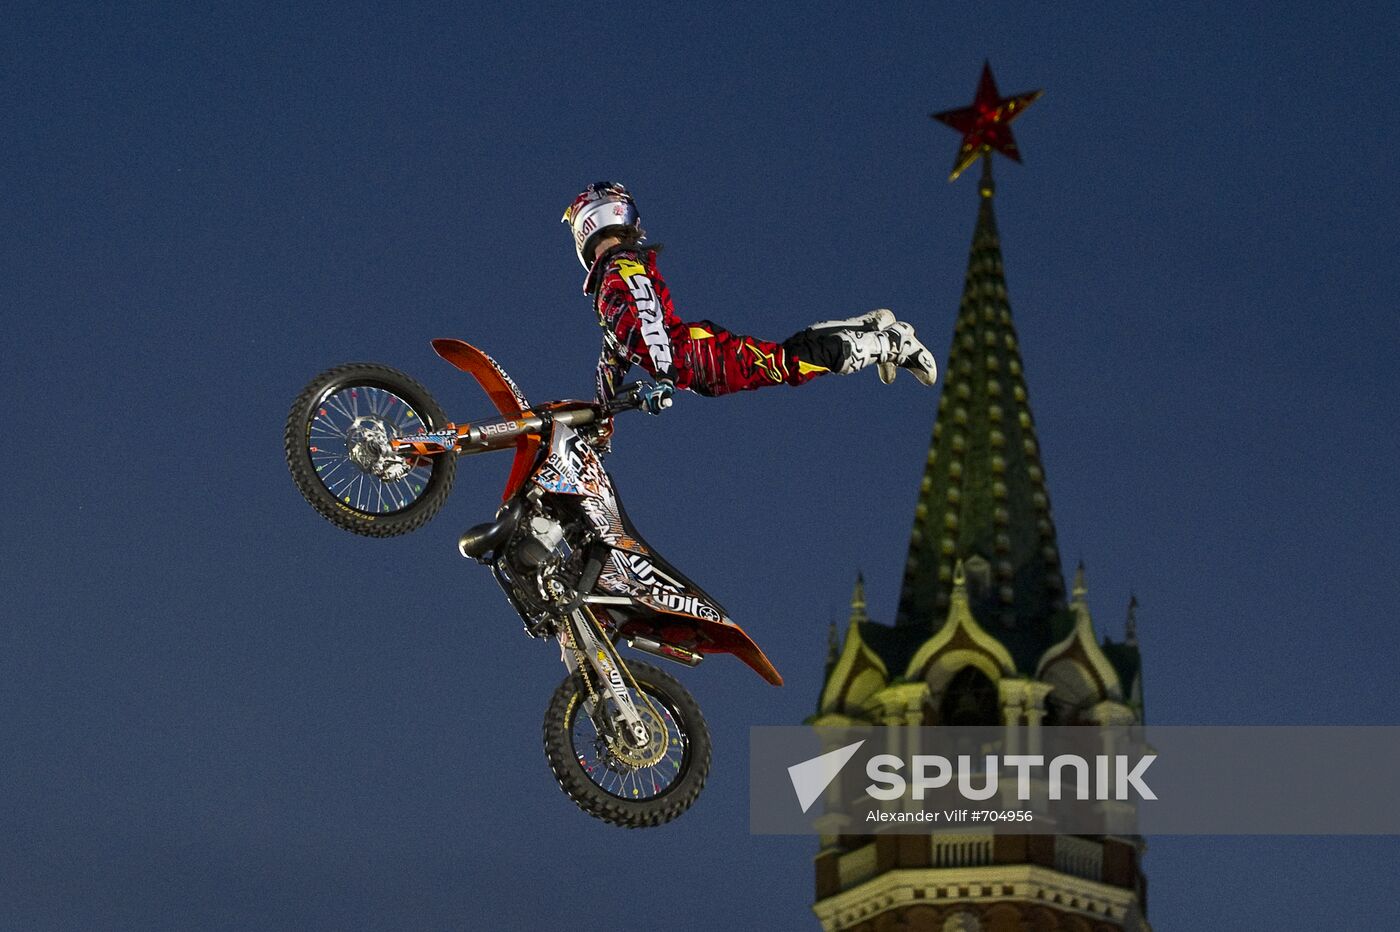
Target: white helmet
(602, 206)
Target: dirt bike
(372, 451)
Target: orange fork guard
(492, 381)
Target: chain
(582, 662)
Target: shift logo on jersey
(649, 312)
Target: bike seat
(482, 539)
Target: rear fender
(725, 637)
(705, 636)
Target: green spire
(983, 492)
(858, 617)
(858, 612)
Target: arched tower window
(970, 699)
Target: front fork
(579, 640)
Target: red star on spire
(986, 124)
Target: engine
(539, 543)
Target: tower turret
(983, 635)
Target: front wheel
(338, 448)
(638, 787)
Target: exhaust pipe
(670, 652)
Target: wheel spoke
(330, 436)
(617, 778)
(337, 402)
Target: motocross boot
(861, 348)
(889, 349)
(908, 353)
(878, 319)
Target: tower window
(970, 699)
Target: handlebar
(655, 397)
(628, 398)
(502, 433)
(631, 397)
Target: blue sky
(220, 712)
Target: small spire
(858, 613)
(959, 581)
(1081, 589)
(986, 187)
(1130, 628)
(833, 645)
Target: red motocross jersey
(640, 326)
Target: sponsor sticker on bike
(683, 604)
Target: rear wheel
(631, 787)
(337, 445)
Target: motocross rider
(640, 325)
